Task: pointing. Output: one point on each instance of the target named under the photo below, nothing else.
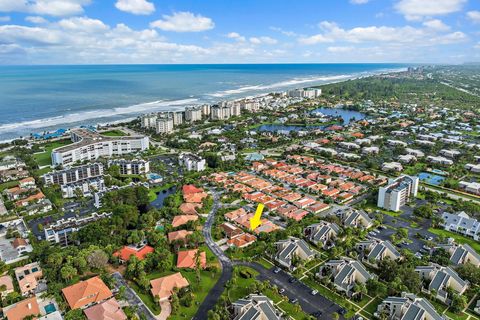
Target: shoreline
(173, 105)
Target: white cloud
(284, 32)
(434, 33)
(359, 1)
(236, 36)
(36, 19)
(436, 24)
(45, 7)
(474, 16)
(82, 24)
(4, 19)
(419, 9)
(262, 40)
(184, 22)
(340, 49)
(477, 46)
(139, 7)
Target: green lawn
(372, 307)
(458, 238)
(9, 184)
(333, 296)
(114, 133)
(146, 298)
(44, 158)
(200, 291)
(265, 263)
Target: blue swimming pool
(49, 308)
(431, 178)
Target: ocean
(34, 99)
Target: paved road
(309, 303)
(132, 297)
(225, 263)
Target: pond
(346, 115)
(158, 203)
(431, 178)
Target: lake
(158, 203)
(346, 115)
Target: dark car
(292, 280)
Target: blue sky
(238, 31)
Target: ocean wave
(282, 84)
(98, 114)
(297, 81)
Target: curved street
(309, 303)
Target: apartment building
(255, 307)
(73, 174)
(292, 248)
(192, 162)
(129, 167)
(345, 273)
(407, 306)
(164, 125)
(397, 193)
(441, 279)
(89, 146)
(193, 114)
(461, 223)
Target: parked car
(277, 270)
(292, 280)
(281, 291)
(294, 300)
(314, 292)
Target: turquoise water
(49, 308)
(38, 98)
(431, 178)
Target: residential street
(308, 302)
(132, 297)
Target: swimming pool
(431, 178)
(49, 308)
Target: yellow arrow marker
(255, 220)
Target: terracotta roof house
(22, 309)
(126, 252)
(86, 293)
(186, 259)
(183, 219)
(163, 287)
(193, 194)
(107, 310)
(242, 241)
(189, 208)
(178, 235)
(8, 283)
(27, 277)
(230, 230)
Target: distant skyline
(238, 31)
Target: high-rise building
(177, 118)
(397, 193)
(193, 114)
(73, 174)
(128, 167)
(164, 125)
(148, 120)
(192, 162)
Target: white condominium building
(397, 193)
(206, 109)
(135, 166)
(148, 120)
(192, 162)
(177, 118)
(164, 125)
(308, 93)
(73, 174)
(193, 114)
(89, 146)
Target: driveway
(132, 298)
